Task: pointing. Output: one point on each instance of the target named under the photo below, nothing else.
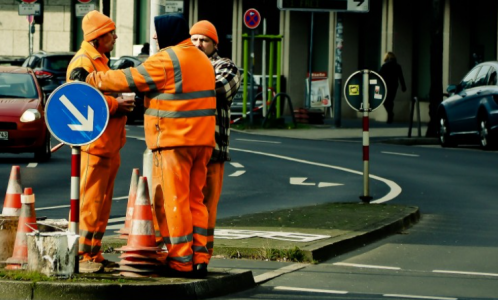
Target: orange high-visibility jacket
(180, 98)
(114, 136)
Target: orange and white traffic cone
(132, 195)
(142, 257)
(12, 202)
(27, 224)
(141, 234)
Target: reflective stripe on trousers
(178, 176)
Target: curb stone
(220, 282)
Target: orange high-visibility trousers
(212, 193)
(96, 189)
(178, 176)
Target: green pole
(270, 69)
(279, 60)
(246, 65)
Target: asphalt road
(451, 254)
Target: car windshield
(58, 63)
(14, 85)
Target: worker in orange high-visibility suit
(100, 160)
(179, 124)
(205, 37)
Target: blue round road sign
(76, 113)
(252, 18)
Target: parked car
(50, 68)
(122, 63)
(470, 113)
(22, 115)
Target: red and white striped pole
(366, 138)
(74, 224)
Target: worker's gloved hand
(78, 74)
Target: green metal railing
(272, 39)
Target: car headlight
(30, 115)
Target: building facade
(403, 27)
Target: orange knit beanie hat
(96, 24)
(205, 28)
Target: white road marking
(32, 165)
(236, 165)
(275, 273)
(327, 184)
(64, 206)
(465, 273)
(300, 181)
(418, 297)
(395, 189)
(365, 266)
(52, 207)
(289, 288)
(115, 220)
(258, 141)
(136, 137)
(237, 173)
(115, 226)
(402, 154)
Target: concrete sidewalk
(227, 275)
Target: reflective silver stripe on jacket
(180, 114)
(177, 69)
(142, 71)
(182, 96)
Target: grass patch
(333, 219)
(34, 276)
(341, 216)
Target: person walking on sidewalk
(179, 124)
(205, 37)
(392, 73)
(100, 160)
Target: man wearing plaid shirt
(205, 37)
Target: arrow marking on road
(327, 184)
(300, 181)
(360, 2)
(236, 165)
(86, 124)
(237, 173)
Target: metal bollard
(147, 169)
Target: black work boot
(200, 270)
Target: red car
(22, 116)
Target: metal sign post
(252, 18)
(365, 91)
(76, 114)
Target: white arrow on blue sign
(76, 113)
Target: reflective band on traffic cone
(131, 203)
(12, 202)
(141, 235)
(27, 224)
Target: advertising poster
(320, 91)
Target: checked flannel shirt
(227, 84)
